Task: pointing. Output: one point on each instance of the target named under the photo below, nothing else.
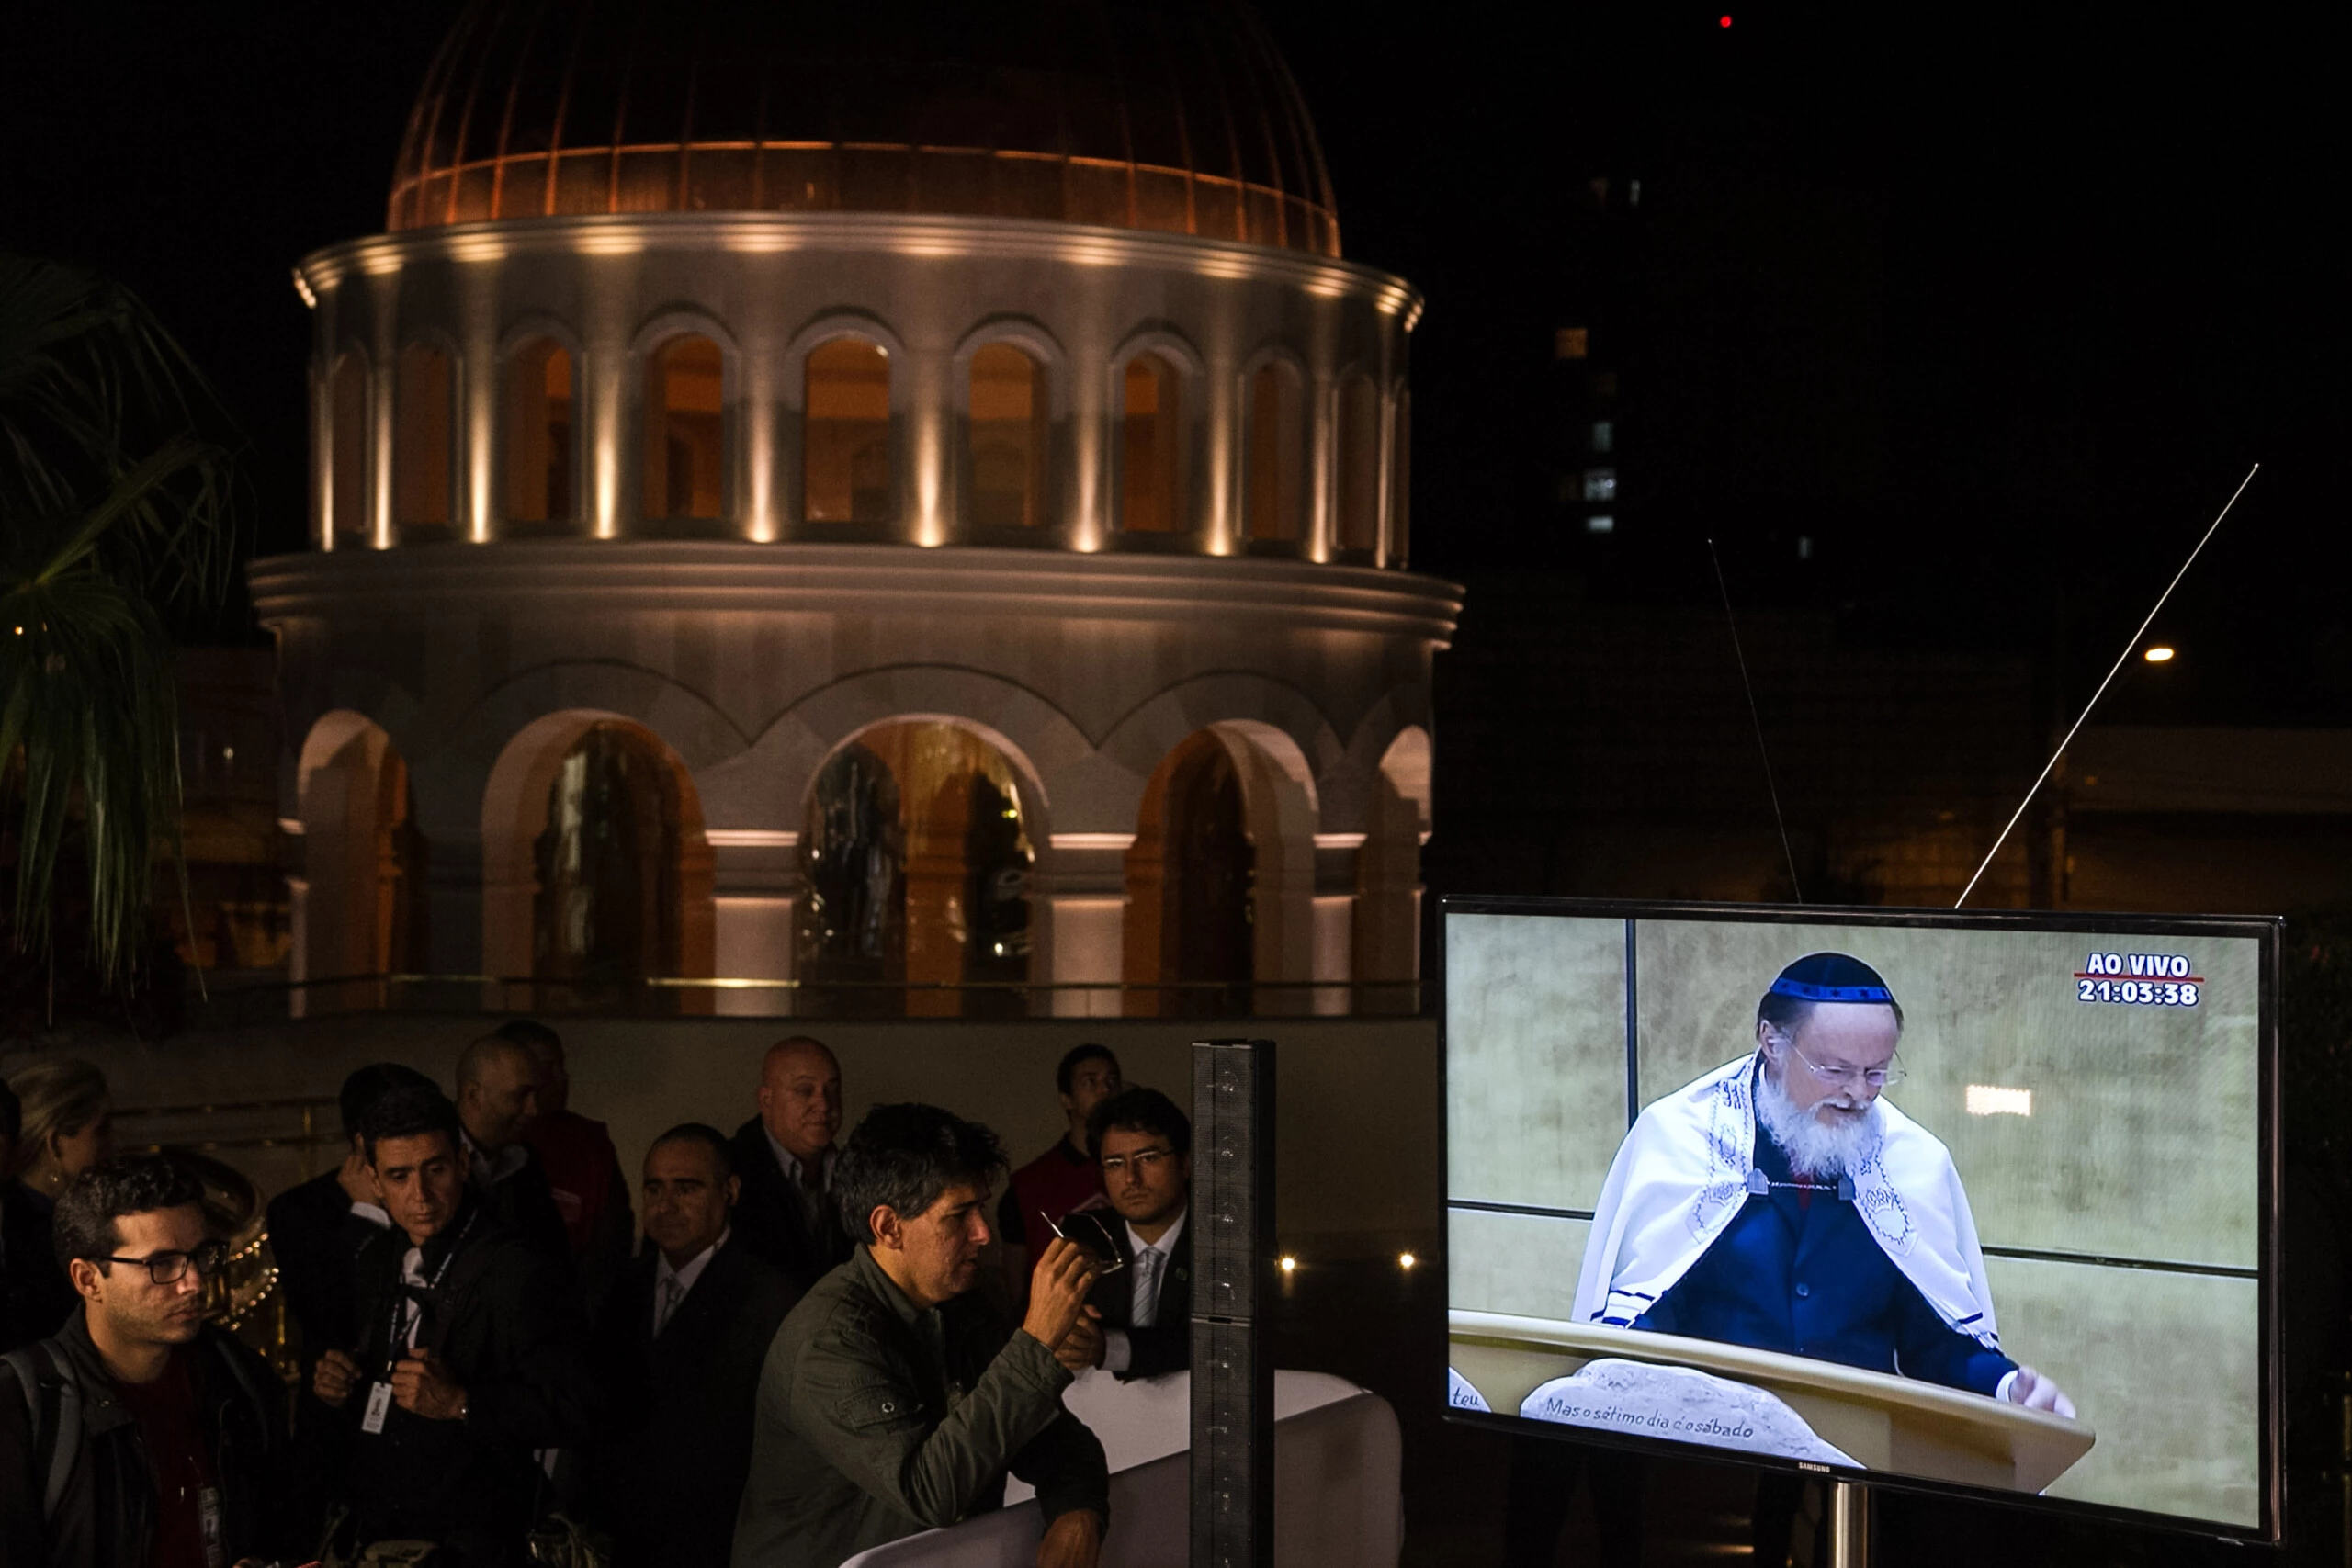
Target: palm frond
(114, 503)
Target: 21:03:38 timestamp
(2139, 993)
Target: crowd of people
(798, 1345)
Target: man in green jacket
(894, 1400)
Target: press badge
(380, 1404)
(208, 1509)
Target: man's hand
(358, 1182)
(421, 1386)
(1073, 1541)
(333, 1379)
(1083, 1347)
(2035, 1392)
(1057, 1289)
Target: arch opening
(1151, 431)
(845, 435)
(362, 902)
(915, 858)
(1220, 878)
(596, 873)
(1273, 501)
(684, 458)
(539, 434)
(1008, 437)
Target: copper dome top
(1134, 114)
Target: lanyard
(401, 1295)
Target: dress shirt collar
(789, 1163)
(694, 1268)
(488, 1169)
(1166, 1245)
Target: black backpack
(48, 1382)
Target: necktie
(666, 1302)
(811, 1182)
(1147, 1302)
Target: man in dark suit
(471, 1357)
(784, 1157)
(316, 1230)
(679, 1345)
(1139, 1313)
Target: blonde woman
(68, 1123)
(67, 1126)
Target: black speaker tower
(1234, 1292)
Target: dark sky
(1997, 308)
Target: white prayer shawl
(1681, 1175)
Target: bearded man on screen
(1778, 1203)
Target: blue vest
(1799, 1273)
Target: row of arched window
(847, 469)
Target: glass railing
(252, 999)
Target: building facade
(922, 519)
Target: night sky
(1995, 309)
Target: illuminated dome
(1129, 114)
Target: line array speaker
(1233, 1297)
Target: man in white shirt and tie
(679, 1344)
(1138, 1322)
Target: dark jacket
(316, 1241)
(36, 1298)
(668, 1475)
(771, 1223)
(878, 1418)
(506, 1324)
(1799, 1273)
(525, 1208)
(107, 1516)
(1167, 1346)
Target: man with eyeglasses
(1779, 1203)
(1138, 1315)
(139, 1434)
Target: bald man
(786, 1215)
(498, 1103)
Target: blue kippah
(1784, 986)
(1831, 977)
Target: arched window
(1008, 428)
(425, 405)
(1359, 466)
(609, 909)
(1273, 502)
(915, 856)
(684, 439)
(1152, 441)
(347, 451)
(539, 434)
(845, 436)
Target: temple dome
(1133, 114)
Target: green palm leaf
(114, 506)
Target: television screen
(1973, 1202)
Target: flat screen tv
(1976, 1203)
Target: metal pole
(1850, 1525)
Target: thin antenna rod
(2035, 787)
(1757, 719)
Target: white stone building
(914, 510)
